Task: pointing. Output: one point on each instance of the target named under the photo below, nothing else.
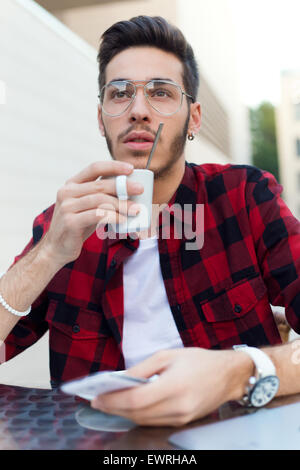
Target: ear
(195, 117)
(100, 122)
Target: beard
(176, 149)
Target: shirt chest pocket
(80, 342)
(235, 302)
(236, 315)
(76, 323)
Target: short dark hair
(149, 31)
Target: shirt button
(237, 308)
(76, 328)
(178, 308)
(54, 383)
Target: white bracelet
(9, 308)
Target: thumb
(154, 364)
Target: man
(106, 308)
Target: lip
(139, 135)
(130, 143)
(139, 145)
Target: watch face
(264, 390)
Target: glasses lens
(163, 96)
(116, 97)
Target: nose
(139, 110)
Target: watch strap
(264, 365)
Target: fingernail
(137, 187)
(100, 213)
(96, 403)
(128, 167)
(134, 209)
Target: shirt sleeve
(32, 327)
(276, 233)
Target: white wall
(48, 132)
(48, 126)
(288, 130)
(202, 151)
(209, 27)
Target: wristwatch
(262, 387)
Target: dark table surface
(38, 419)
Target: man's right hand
(84, 202)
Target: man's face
(143, 64)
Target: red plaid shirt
(219, 294)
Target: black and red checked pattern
(219, 294)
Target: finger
(106, 186)
(102, 201)
(140, 397)
(110, 217)
(165, 413)
(101, 168)
(127, 208)
(154, 364)
(159, 420)
(92, 187)
(97, 216)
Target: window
(298, 147)
(298, 182)
(297, 111)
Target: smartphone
(102, 382)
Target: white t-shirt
(149, 325)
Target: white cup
(142, 220)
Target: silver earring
(191, 136)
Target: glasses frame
(137, 84)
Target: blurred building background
(48, 122)
(208, 26)
(288, 137)
(48, 109)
